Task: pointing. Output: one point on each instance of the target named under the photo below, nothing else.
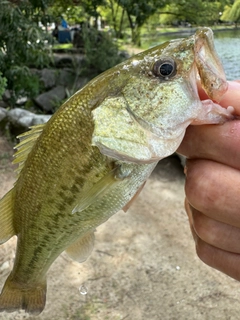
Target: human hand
(213, 188)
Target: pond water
(227, 44)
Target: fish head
(154, 97)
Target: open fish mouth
(209, 66)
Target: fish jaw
(207, 111)
(210, 69)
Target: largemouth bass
(96, 152)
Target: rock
(81, 82)
(3, 114)
(3, 119)
(65, 77)
(48, 100)
(6, 95)
(22, 118)
(67, 60)
(48, 77)
(21, 101)
(3, 104)
(124, 54)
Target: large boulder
(3, 114)
(50, 99)
(3, 118)
(65, 77)
(66, 60)
(24, 119)
(48, 77)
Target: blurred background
(50, 49)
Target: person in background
(213, 188)
(64, 23)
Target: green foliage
(23, 82)
(101, 51)
(138, 12)
(195, 12)
(3, 84)
(232, 13)
(72, 13)
(91, 6)
(115, 16)
(75, 11)
(22, 44)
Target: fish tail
(15, 296)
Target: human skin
(213, 188)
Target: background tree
(22, 44)
(138, 12)
(194, 12)
(115, 16)
(232, 13)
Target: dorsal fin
(27, 141)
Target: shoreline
(189, 30)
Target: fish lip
(210, 69)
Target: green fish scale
(62, 162)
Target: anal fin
(6, 217)
(82, 248)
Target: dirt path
(143, 265)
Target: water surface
(227, 44)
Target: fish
(94, 155)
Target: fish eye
(165, 68)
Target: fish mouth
(209, 66)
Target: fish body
(94, 154)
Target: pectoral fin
(100, 188)
(82, 248)
(6, 217)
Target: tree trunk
(114, 16)
(136, 36)
(135, 30)
(120, 34)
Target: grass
(63, 46)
